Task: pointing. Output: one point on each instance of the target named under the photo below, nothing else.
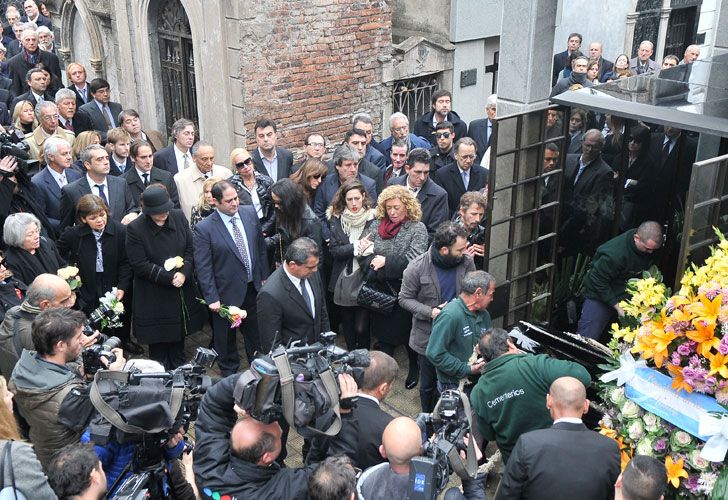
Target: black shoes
(411, 381)
(132, 347)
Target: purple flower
(675, 359)
(723, 346)
(684, 349)
(661, 444)
(692, 482)
(711, 381)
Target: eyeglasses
(316, 144)
(48, 118)
(446, 135)
(244, 163)
(400, 129)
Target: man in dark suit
(674, 152)
(100, 114)
(441, 102)
(364, 122)
(595, 53)
(562, 58)
(587, 207)
(363, 426)
(33, 15)
(37, 88)
(54, 176)
(268, 158)
(232, 263)
(357, 139)
(292, 303)
(19, 64)
(97, 180)
(346, 163)
(536, 468)
(13, 45)
(76, 74)
(117, 143)
(481, 130)
(461, 176)
(66, 102)
(432, 198)
(443, 154)
(399, 128)
(177, 157)
(143, 173)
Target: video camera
(147, 409)
(450, 421)
(299, 383)
(92, 355)
(12, 145)
(477, 235)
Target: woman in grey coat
(398, 237)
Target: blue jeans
(596, 316)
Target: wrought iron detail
(412, 96)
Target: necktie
(99, 254)
(146, 179)
(83, 94)
(102, 195)
(186, 157)
(69, 125)
(464, 175)
(121, 167)
(414, 190)
(306, 296)
(665, 151)
(578, 174)
(240, 243)
(62, 179)
(39, 99)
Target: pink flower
(675, 359)
(723, 346)
(684, 349)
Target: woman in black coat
(99, 271)
(165, 308)
(28, 253)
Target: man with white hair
(399, 128)
(66, 102)
(692, 52)
(29, 57)
(643, 62)
(54, 176)
(481, 130)
(47, 114)
(33, 15)
(46, 39)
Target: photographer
(18, 194)
(51, 393)
(470, 216)
(239, 459)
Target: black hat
(155, 200)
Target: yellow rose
(68, 272)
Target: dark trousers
(428, 384)
(169, 354)
(596, 316)
(224, 338)
(355, 324)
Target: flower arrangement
(70, 274)
(233, 314)
(111, 301)
(684, 335)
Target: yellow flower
(718, 364)
(678, 381)
(173, 263)
(675, 471)
(706, 309)
(704, 335)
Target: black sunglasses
(241, 164)
(446, 135)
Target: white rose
(236, 311)
(617, 396)
(170, 264)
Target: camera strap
(288, 397)
(468, 468)
(110, 414)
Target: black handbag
(377, 296)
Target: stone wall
(308, 65)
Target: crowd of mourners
(380, 241)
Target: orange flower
(704, 335)
(674, 471)
(678, 381)
(718, 364)
(706, 309)
(654, 341)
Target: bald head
(256, 442)
(567, 398)
(401, 440)
(49, 290)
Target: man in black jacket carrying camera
(239, 459)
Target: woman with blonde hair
(309, 177)
(24, 118)
(82, 141)
(19, 467)
(252, 187)
(206, 204)
(398, 236)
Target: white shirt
(58, 177)
(254, 198)
(415, 190)
(297, 283)
(142, 174)
(228, 225)
(568, 420)
(95, 190)
(181, 158)
(270, 165)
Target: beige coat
(189, 185)
(37, 139)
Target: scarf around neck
(389, 229)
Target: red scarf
(389, 229)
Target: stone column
(662, 35)
(526, 43)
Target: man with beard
(426, 124)
(470, 215)
(577, 77)
(443, 266)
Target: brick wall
(309, 65)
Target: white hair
(491, 101)
(397, 116)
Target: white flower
(617, 396)
(630, 409)
(707, 482)
(173, 263)
(68, 272)
(645, 447)
(636, 430)
(118, 307)
(236, 311)
(652, 422)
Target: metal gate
(412, 96)
(680, 30)
(177, 63)
(706, 208)
(523, 211)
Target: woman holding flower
(97, 245)
(159, 247)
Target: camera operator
(18, 194)
(362, 426)
(76, 473)
(50, 390)
(470, 216)
(46, 291)
(239, 459)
